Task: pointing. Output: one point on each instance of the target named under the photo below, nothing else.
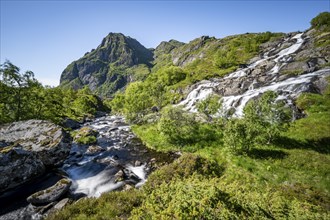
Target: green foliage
(18, 93)
(209, 106)
(139, 97)
(187, 165)
(23, 97)
(137, 101)
(321, 21)
(85, 135)
(264, 120)
(181, 199)
(86, 102)
(178, 126)
(267, 116)
(171, 75)
(315, 128)
(114, 205)
(239, 135)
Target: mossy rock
(85, 135)
(50, 194)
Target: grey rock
(32, 147)
(70, 123)
(50, 194)
(18, 166)
(61, 204)
(98, 68)
(119, 176)
(94, 149)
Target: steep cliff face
(104, 68)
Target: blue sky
(46, 36)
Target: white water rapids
(288, 88)
(117, 150)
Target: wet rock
(119, 176)
(113, 129)
(94, 149)
(100, 114)
(70, 123)
(137, 163)
(32, 147)
(50, 194)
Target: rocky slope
(250, 60)
(290, 65)
(108, 67)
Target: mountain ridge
(120, 60)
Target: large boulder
(50, 194)
(18, 166)
(28, 148)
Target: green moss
(292, 72)
(85, 135)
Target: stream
(117, 161)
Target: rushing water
(94, 172)
(116, 160)
(287, 89)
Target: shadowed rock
(28, 149)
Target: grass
(288, 179)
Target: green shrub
(209, 106)
(113, 205)
(178, 126)
(264, 120)
(238, 136)
(266, 117)
(191, 198)
(182, 168)
(321, 21)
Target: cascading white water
(95, 173)
(288, 88)
(291, 87)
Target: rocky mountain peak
(101, 64)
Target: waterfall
(288, 88)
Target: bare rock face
(18, 166)
(28, 148)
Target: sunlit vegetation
(23, 97)
(260, 166)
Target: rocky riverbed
(116, 160)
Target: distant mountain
(108, 67)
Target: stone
(18, 166)
(31, 147)
(50, 194)
(70, 123)
(93, 149)
(95, 69)
(61, 204)
(127, 187)
(137, 163)
(119, 176)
